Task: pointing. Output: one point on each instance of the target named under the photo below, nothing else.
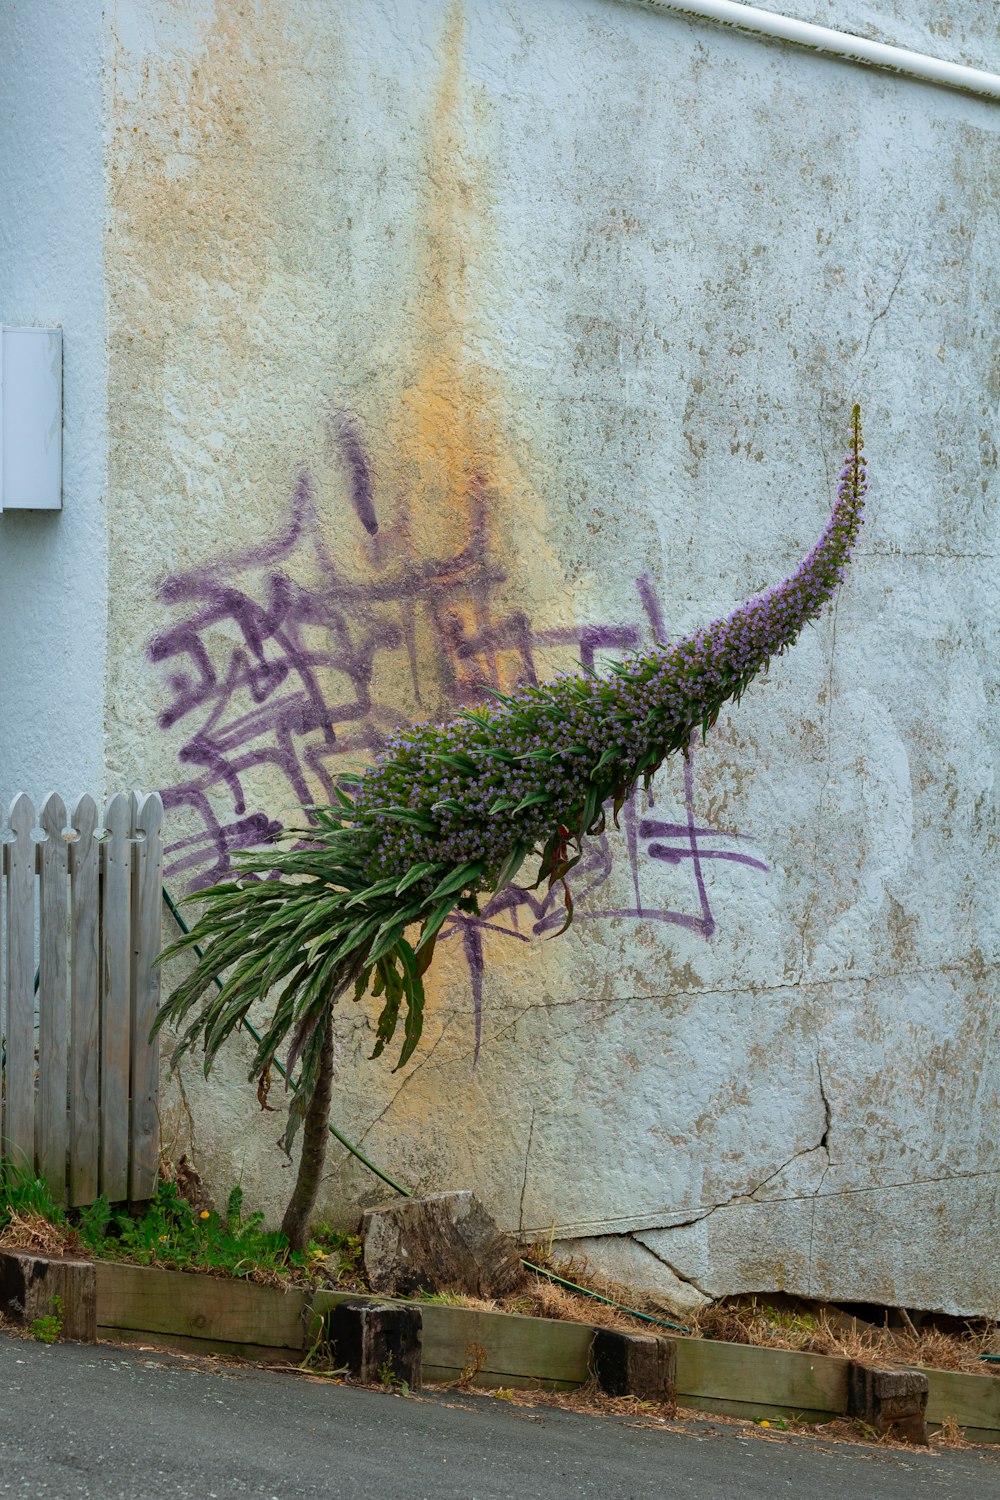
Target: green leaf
(373, 892)
(450, 804)
(413, 1027)
(387, 1021)
(414, 991)
(464, 875)
(417, 872)
(458, 762)
(610, 754)
(425, 958)
(532, 800)
(408, 815)
(432, 926)
(590, 809)
(391, 931)
(511, 866)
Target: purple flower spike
(452, 810)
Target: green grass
(27, 1196)
(172, 1234)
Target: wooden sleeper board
(746, 1373)
(147, 1300)
(214, 1314)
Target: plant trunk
(295, 1224)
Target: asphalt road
(116, 1424)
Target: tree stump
(444, 1242)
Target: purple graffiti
(269, 674)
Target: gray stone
(444, 1242)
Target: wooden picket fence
(81, 910)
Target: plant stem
(295, 1224)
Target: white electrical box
(30, 419)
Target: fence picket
(84, 1091)
(19, 1107)
(85, 1030)
(116, 966)
(147, 821)
(53, 1019)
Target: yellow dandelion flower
(204, 1214)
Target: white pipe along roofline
(750, 18)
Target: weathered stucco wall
(53, 566)
(454, 341)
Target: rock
(889, 1401)
(446, 1242)
(634, 1364)
(379, 1343)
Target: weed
(173, 1234)
(444, 1299)
(318, 1359)
(169, 1232)
(48, 1328)
(93, 1221)
(386, 1372)
(25, 1196)
(949, 1435)
(336, 1255)
(475, 1356)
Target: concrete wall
(453, 341)
(53, 567)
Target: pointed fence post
(85, 1028)
(53, 1014)
(19, 1103)
(116, 971)
(147, 884)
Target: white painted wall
(53, 567)
(633, 270)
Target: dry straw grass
(32, 1232)
(819, 1329)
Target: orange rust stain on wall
(455, 462)
(194, 186)
(446, 436)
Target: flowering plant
(449, 811)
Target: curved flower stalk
(449, 811)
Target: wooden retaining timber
(972, 1400)
(518, 1352)
(742, 1380)
(211, 1314)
